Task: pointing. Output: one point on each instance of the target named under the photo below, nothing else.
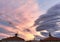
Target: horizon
(20, 16)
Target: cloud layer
(18, 16)
(50, 21)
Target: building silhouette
(50, 39)
(18, 39)
(13, 39)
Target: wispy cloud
(19, 15)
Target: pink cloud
(21, 16)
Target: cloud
(56, 33)
(3, 35)
(19, 15)
(50, 20)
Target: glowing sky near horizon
(19, 15)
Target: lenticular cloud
(49, 21)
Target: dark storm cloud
(49, 21)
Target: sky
(46, 4)
(19, 16)
(49, 18)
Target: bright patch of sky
(46, 4)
